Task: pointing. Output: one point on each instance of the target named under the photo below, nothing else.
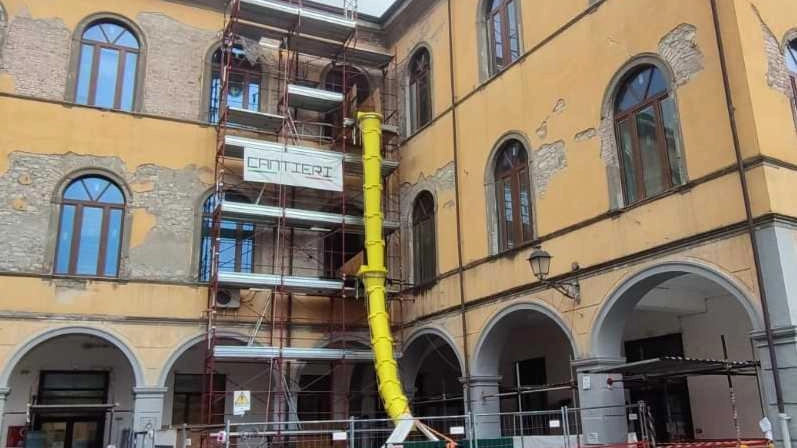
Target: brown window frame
(238, 68)
(244, 231)
(77, 226)
(502, 11)
(662, 150)
(420, 88)
(424, 239)
(519, 180)
(120, 69)
(791, 51)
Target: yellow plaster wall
(50, 128)
(72, 12)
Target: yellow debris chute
(374, 275)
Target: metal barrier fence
(561, 428)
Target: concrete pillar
(148, 408)
(785, 340)
(484, 404)
(777, 244)
(602, 404)
(4, 391)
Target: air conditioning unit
(228, 298)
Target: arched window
(513, 195)
(90, 228)
(107, 66)
(791, 63)
(420, 89)
(424, 249)
(244, 87)
(648, 134)
(503, 33)
(237, 241)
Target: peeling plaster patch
(439, 181)
(679, 48)
(257, 54)
(548, 160)
(586, 134)
(777, 72)
(174, 65)
(165, 253)
(560, 106)
(542, 131)
(36, 55)
(448, 204)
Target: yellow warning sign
(242, 402)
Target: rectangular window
(629, 167)
(113, 242)
(84, 74)
(107, 72)
(514, 31)
(65, 239)
(498, 42)
(188, 392)
(673, 139)
(653, 175)
(88, 251)
(73, 387)
(129, 81)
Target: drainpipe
(783, 417)
(461, 273)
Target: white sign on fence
(456, 430)
(294, 167)
(241, 402)
(554, 424)
(339, 436)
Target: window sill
(682, 189)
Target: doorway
(71, 431)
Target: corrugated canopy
(673, 366)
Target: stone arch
(489, 187)
(609, 150)
(609, 323)
(74, 58)
(51, 333)
(115, 177)
(186, 345)
(436, 331)
(537, 306)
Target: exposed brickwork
(27, 190)
(3, 26)
(679, 48)
(35, 53)
(546, 162)
(175, 63)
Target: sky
(370, 7)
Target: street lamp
(540, 261)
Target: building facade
(650, 147)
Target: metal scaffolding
(297, 241)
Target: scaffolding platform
(310, 285)
(296, 218)
(291, 353)
(288, 17)
(253, 119)
(309, 98)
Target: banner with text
(294, 168)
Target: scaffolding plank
(294, 217)
(236, 145)
(360, 53)
(292, 353)
(295, 283)
(309, 98)
(253, 119)
(286, 17)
